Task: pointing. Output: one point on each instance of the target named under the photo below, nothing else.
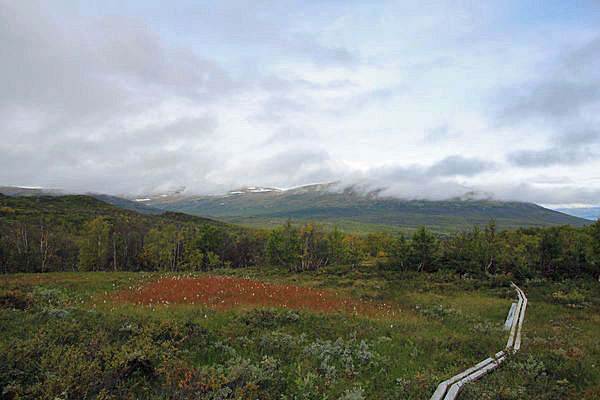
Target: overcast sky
(430, 99)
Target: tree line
(77, 235)
(116, 245)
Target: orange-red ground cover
(226, 293)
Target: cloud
(564, 88)
(569, 148)
(578, 138)
(264, 26)
(102, 106)
(458, 165)
(555, 194)
(451, 166)
(439, 133)
(290, 134)
(550, 100)
(563, 101)
(115, 98)
(550, 156)
(434, 182)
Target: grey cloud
(458, 165)
(113, 66)
(439, 133)
(376, 96)
(300, 166)
(185, 129)
(565, 100)
(69, 90)
(584, 59)
(555, 194)
(550, 156)
(259, 25)
(448, 167)
(546, 179)
(284, 168)
(551, 100)
(566, 88)
(135, 53)
(296, 163)
(290, 134)
(434, 182)
(279, 85)
(577, 138)
(319, 53)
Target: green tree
(399, 252)
(356, 250)
(594, 230)
(378, 244)
(337, 247)
(423, 249)
(95, 245)
(313, 248)
(549, 249)
(163, 249)
(283, 246)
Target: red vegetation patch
(222, 293)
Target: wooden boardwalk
(450, 388)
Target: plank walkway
(450, 388)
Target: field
(265, 333)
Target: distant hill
(79, 208)
(591, 213)
(29, 191)
(126, 204)
(356, 211)
(120, 202)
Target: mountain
(353, 210)
(591, 213)
(29, 191)
(16, 191)
(73, 210)
(126, 204)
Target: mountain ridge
(322, 203)
(352, 208)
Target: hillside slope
(15, 191)
(126, 204)
(72, 211)
(363, 212)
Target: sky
(428, 99)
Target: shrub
(15, 299)
(573, 296)
(269, 318)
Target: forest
(80, 233)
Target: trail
(450, 388)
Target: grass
(97, 335)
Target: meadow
(336, 333)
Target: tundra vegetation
(100, 302)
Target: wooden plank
(443, 387)
(517, 345)
(510, 316)
(450, 388)
(513, 329)
(456, 387)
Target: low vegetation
(85, 338)
(103, 303)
